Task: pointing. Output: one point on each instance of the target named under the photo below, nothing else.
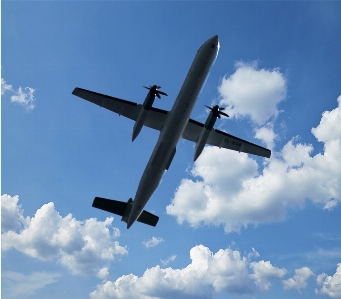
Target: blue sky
(231, 225)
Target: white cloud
(22, 96)
(11, 214)
(152, 242)
(4, 86)
(267, 135)
(329, 128)
(79, 245)
(18, 285)
(206, 200)
(252, 254)
(168, 260)
(299, 280)
(330, 285)
(329, 253)
(103, 273)
(264, 272)
(123, 287)
(253, 92)
(225, 271)
(116, 232)
(228, 189)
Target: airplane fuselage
(176, 122)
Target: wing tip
(76, 89)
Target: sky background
(231, 225)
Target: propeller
(217, 111)
(156, 91)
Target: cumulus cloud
(12, 217)
(267, 135)
(103, 273)
(226, 271)
(299, 280)
(330, 285)
(168, 260)
(18, 285)
(22, 96)
(252, 92)
(123, 287)
(152, 242)
(264, 272)
(329, 128)
(227, 187)
(79, 245)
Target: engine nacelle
(206, 131)
(147, 105)
(201, 143)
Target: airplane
(173, 125)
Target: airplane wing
(221, 139)
(155, 118)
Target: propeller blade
(217, 110)
(155, 90)
(223, 113)
(163, 93)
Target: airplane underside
(173, 125)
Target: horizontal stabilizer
(119, 208)
(148, 218)
(109, 205)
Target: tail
(123, 209)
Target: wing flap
(121, 107)
(193, 130)
(221, 139)
(155, 118)
(224, 140)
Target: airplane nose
(214, 40)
